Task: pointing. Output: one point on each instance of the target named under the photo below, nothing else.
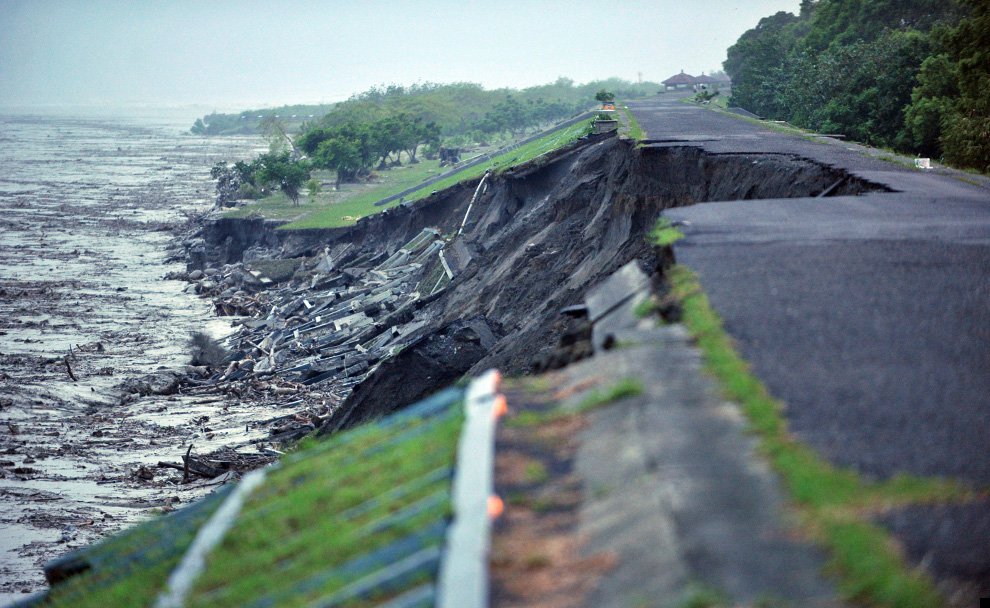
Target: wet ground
(88, 209)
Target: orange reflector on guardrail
(500, 407)
(495, 507)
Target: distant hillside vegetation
(249, 121)
(907, 74)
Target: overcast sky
(244, 53)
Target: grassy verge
(331, 514)
(664, 234)
(347, 212)
(351, 200)
(635, 131)
(835, 503)
(277, 206)
(130, 568)
(626, 387)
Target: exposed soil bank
(535, 239)
(679, 176)
(539, 238)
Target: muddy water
(87, 210)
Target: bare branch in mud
(185, 464)
(68, 368)
(192, 465)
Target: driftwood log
(193, 466)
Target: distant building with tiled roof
(679, 81)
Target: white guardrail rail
(463, 581)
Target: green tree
(884, 72)
(274, 132)
(933, 101)
(966, 132)
(604, 96)
(859, 89)
(228, 184)
(758, 66)
(279, 170)
(342, 155)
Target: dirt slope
(538, 236)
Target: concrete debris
(322, 332)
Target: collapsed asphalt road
(867, 315)
(473, 277)
(533, 239)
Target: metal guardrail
(463, 581)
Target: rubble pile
(321, 333)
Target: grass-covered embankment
(355, 519)
(350, 202)
(130, 568)
(346, 212)
(337, 512)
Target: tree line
(374, 128)
(462, 110)
(252, 121)
(913, 75)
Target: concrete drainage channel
(374, 317)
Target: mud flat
(89, 208)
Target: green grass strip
(304, 521)
(635, 131)
(347, 213)
(392, 181)
(664, 234)
(832, 500)
(129, 570)
(626, 387)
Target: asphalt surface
(869, 316)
